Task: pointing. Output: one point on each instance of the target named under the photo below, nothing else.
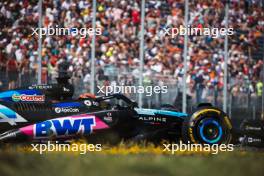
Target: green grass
(26, 164)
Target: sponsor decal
(7, 95)
(66, 89)
(91, 103)
(65, 126)
(253, 128)
(40, 87)
(87, 103)
(30, 98)
(66, 110)
(152, 119)
(251, 140)
(109, 117)
(9, 116)
(16, 97)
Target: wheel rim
(210, 131)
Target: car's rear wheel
(208, 125)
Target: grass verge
(118, 161)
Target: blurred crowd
(118, 46)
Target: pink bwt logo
(64, 127)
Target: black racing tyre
(207, 125)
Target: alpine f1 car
(48, 112)
(44, 112)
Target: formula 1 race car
(48, 112)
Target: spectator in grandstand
(199, 86)
(25, 71)
(3, 62)
(12, 72)
(63, 66)
(259, 87)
